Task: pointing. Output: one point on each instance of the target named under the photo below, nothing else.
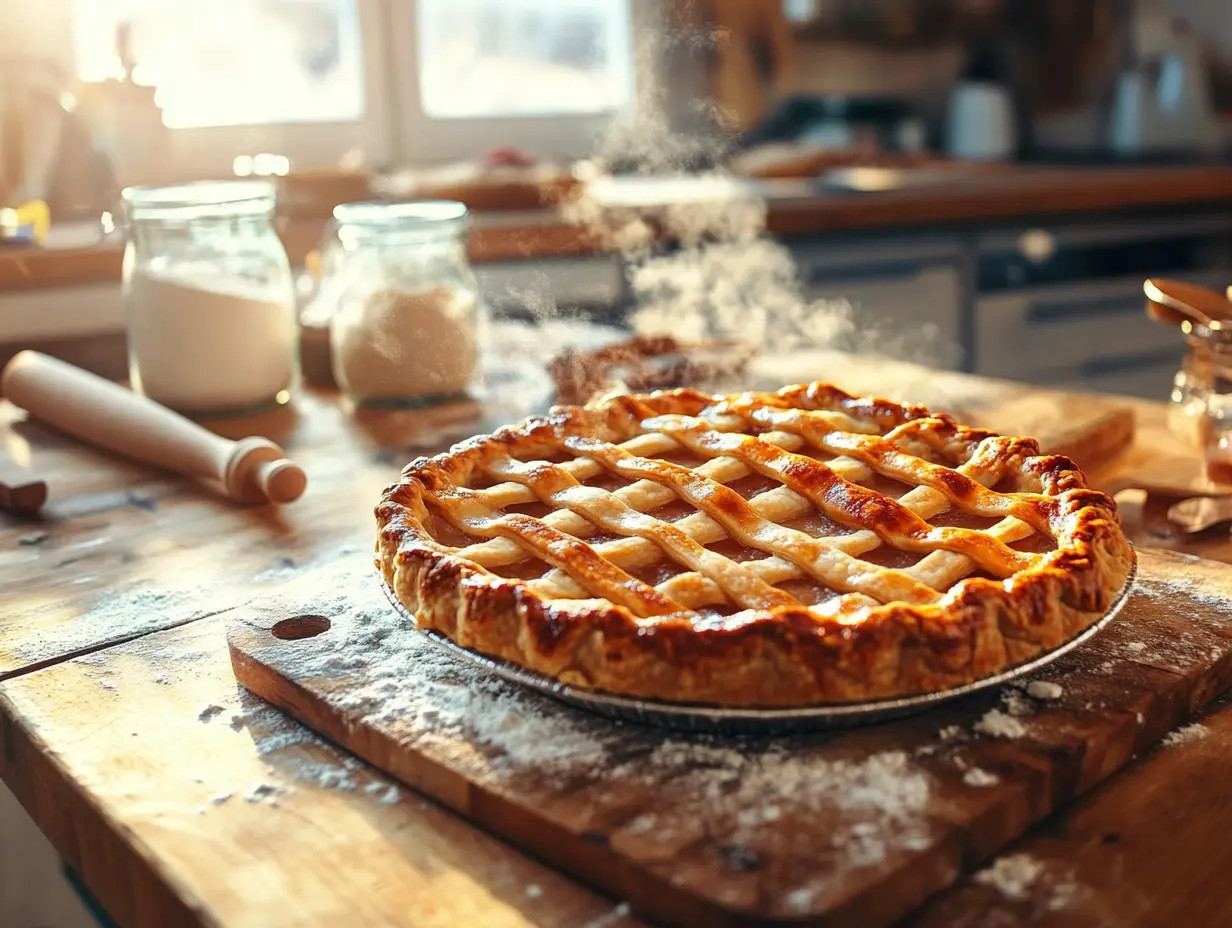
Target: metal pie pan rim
(704, 717)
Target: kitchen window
(543, 75)
(376, 82)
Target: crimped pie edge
(785, 656)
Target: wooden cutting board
(852, 827)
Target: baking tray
(700, 718)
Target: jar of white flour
(405, 330)
(210, 299)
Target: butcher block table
(181, 799)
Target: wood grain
(1138, 853)
(183, 801)
(869, 822)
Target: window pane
(523, 57)
(229, 62)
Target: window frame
(394, 129)
(211, 150)
(422, 139)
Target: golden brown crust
(651, 642)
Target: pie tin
(720, 720)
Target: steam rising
(724, 278)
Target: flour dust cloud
(726, 278)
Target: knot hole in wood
(300, 626)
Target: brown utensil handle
(21, 490)
(1177, 302)
(106, 414)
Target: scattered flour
(1012, 876)
(267, 793)
(800, 900)
(999, 725)
(1018, 877)
(1135, 646)
(1044, 689)
(387, 794)
(1016, 704)
(607, 919)
(1193, 732)
(1169, 581)
(977, 777)
(950, 733)
(873, 803)
(220, 798)
(534, 891)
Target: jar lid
(200, 200)
(417, 219)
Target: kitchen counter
(981, 194)
(181, 800)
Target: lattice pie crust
(766, 549)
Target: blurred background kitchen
(1003, 172)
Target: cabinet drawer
(1149, 382)
(1019, 335)
(904, 309)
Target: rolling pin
(107, 414)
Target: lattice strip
(825, 563)
(464, 509)
(781, 505)
(554, 486)
(643, 496)
(842, 501)
(881, 454)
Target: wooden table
(180, 799)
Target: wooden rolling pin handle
(108, 415)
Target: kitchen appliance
(984, 118)
(1161, 101)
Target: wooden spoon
(1199, 513)
(1176, 303)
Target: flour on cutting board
(1019, 878)
(1185, 734)
(874, 802)
(686, 789)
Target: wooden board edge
(593, 861)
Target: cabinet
(905, 293)
(1064, 306)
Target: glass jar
(1190, 387)
(209, 297)
(406, 325)
(1216, 422)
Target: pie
(757, 549)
